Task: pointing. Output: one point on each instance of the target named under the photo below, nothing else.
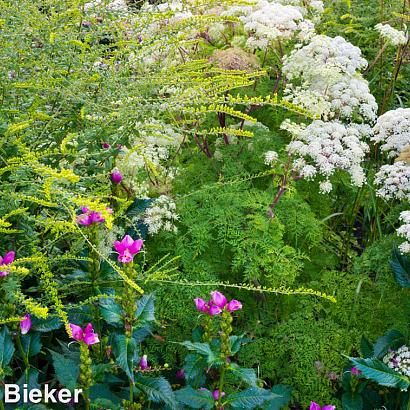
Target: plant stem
(221, 385)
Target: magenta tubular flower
(128, 248)
(234, 305)
(218, 299)
(25, 324)
(180, 374)
(315, 406)
(116, 177)
(201, 305)
(88, 217)
(355, 371)
(214, 310)
(8, 258)
(87, 335)
(215, 394)
(144, 362)
(105, 145)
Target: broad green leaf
(6, 347)
(194, 369)
(201, 348)
(125, 351)
(250, 398)
(400, 266)
(352, 402)
(377, 371)
(67, 370)
(146, 308)
(45, 325)
(31, 343)
(157, 389)
(29, 377)
(246, 375)
(111, 311)
(366, 348)
(393, 339)
(283, 397)
(101, 391)
(195, 399)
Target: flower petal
(234, 305)
(314, 406)
(214, 310)
(218, 299)
(77, 332)
(25, 324)
(136, 246)
(91, 339)
(9, 257)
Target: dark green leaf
(400, 266)
(6, 347)
(31, 343)
(29, 377)
(249, 398)
(391, 340)
(195, 399)
(45, 325)
(366, 348)
(157, 389)
(352, 402)
(194, 369)
(146, 308)
(246, 375)
(283, 398)
(125, 351)
(201, 348)
(111, 311)
(67, 370)
(101, 391)
(377, 371)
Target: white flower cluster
(116, 5)
(404, 231)
(399, 360)
(328, 83)
(325, 147)
(271, 157)
(394, 181)
(269, 22)
(390, 34)
(161, 215)
(392, 130)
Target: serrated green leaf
(400, 266)
(29, 377)
(195, 399)
(146, 308)
(377, 371)
(246, 375)
(283, 397)
(352, 402)
(366, 348)
(157, 389)
(125, 351)
(67, 370)
(201, 348)
(249, 398)
(6, 347)
(194, 369)
(31, 343)
(391, 340)
(111, 311)
(45, 325)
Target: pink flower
(355, 371)
(144, 362)
(315, 406)
(128, 248)
(116, 177)
(215, 394)
(180, 374)
(8, 258)
(25, 324)
(105, 145)
(218, 299)
(214, 310)
(234, 305)
(88, 217)
(201, 305)
(87, 335)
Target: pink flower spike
(85, 210)
(329, 407)
(234, 305)
(201, 305)
(218, 299)
(355, 371)
(127, 248)
(90, 338)
(116, 177)
(25, 324)
(215, 394)
(144, 362)
(314, 406)
(214, 310)
(77, 332)
(96, 217)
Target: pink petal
(214, 310)
(77, 332)
(329, 407)
(201, 305)
(144, 362)
(84, 220)
(3, 274)
(218, 299)
(136, 246)
(88, 328)
(85, 210)
(91, 339)
(8, 257)
(127, 241)
(25, 324)
(314, 406)
(234, 305)
(1, 260)
(119, 247)
(126, 256)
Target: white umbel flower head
(394, 181)
(390, 34)
(392, 131)
(399, 360)
(271, 157)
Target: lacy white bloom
(325, 147)
(116, 5)
(161, 215)
(394, 181)
(399, 360)
(323, 51)
(271, 157)
(392, 130)
(393, 36)
(270, 21)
